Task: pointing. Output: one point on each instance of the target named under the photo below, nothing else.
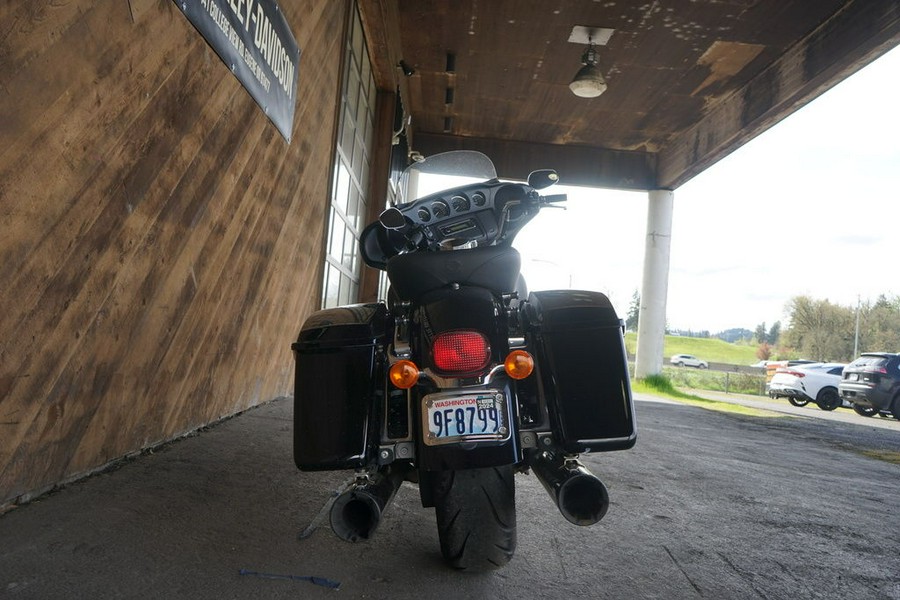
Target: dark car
(872, 381)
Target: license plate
(454, 417)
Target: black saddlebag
(339, 378)
(583, 373)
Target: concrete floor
(707, 505)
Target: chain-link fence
(728, 381)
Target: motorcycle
(462, 378)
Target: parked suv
(873, 381)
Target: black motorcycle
(461, 378)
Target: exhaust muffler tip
(583, 499)
(356, 514)
(579, 495)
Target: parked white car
(814, 382)
(686, 360)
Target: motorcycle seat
(492, 267)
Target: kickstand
(320, 516)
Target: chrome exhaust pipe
(356, 513)
(580, 496)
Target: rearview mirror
(542, 178)
(392, 218)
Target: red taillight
(461, 352)
(791, 372)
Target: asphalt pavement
(707, 505)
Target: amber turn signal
(518, 364)
(404, 374)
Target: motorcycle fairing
(488, 213)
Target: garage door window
(351, 172)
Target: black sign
(255, 42)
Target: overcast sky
(811, 206)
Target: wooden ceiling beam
(381, 25)
(576, 165)
(851, 39)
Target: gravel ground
(707, 505)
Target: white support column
(655, 286)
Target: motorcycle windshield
(443, 171)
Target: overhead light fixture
(589, 81)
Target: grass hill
(708, 349)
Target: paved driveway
(707, 505)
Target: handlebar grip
(555, 198)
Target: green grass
(708, 349)
(660, 385)
(717, 381)
(885, 455)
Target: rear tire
(896, 409)
(828, 399)
(797, 401)
(476, 516)
(865, 411)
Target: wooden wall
(161, 243)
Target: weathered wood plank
(152, 331)
(83, 283)
(161, 242)
(79, 139)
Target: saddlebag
(582, 369)
(338, 384)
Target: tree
(735, 334)
(634, 311)
(761, 333)
(820, 330)
(764, 351)
(774, 333)
(879, 328)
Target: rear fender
(449, 309)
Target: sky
(809, 207)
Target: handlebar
(551, 198)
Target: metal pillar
(652, 318)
